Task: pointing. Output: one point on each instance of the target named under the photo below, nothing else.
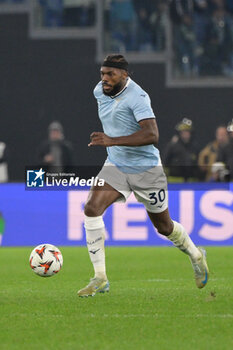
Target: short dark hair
(115, 58)
(116, 61)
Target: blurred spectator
(218, 43)
(52, 12)
(186, 45)
(56, 151)
(201, 20)
(225, 154)
(209, 153)
(135, 25)
(184, 38)
(179, 8)
(202, 37)
(122, 24)
(180, 155)
(3, 162)
(79, 13)
(151, 17)
(201, 17)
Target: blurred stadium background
(181, 52)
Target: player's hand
(100, 139)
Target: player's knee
(165, 228)
(92, 209)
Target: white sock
(181, 240)
(95, 236)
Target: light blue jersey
(119, 116)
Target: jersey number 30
(155, 196)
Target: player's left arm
(147, 135)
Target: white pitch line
(161, 316)
(128, 315)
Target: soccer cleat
(201, 270)
(96, 285)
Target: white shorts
(149, 187)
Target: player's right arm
(140, 105)
(147, 135)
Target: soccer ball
(46, 260)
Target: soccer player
(133, 165)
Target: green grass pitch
(153, 302)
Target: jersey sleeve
(97, 90)
(141, 107)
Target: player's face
(113, 80)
